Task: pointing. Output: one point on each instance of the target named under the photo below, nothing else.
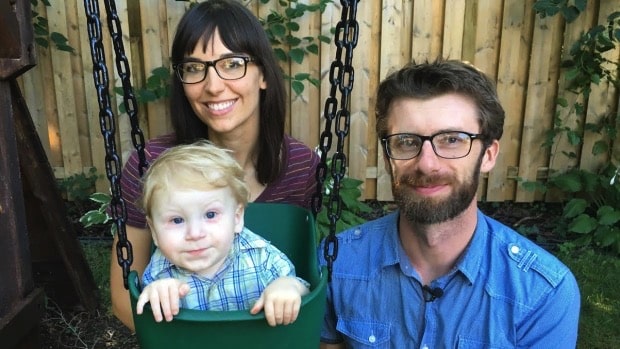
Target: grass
(598, 276)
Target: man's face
(430, 189)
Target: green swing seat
(292, 230)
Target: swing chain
(107, 121)
(341, 77)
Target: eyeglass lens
(228, 68)
(449, 145)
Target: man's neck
(434, 249)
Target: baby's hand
(281, 300)
(164, 297)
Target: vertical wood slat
(304, 109)
(65, 97)
(511, 86)
(454, 26)
(540, 100)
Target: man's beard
(430, 210)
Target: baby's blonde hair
(199, 166)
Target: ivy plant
(592, 209)
(42, 35)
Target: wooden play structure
(37, 237)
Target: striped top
(253, 263)
(295, 185)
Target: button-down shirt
(251, 265)
(504, 292)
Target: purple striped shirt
(295, 185)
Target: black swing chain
(107, 122)
(341, 76)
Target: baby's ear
(239, 221)
(149, 224)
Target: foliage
(157, 87)
(591, 214)
(549, 8)
(281, 28)
(352, 207)
(80, 185)
(42, 35)
(100, 215)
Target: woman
(228, 88)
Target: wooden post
(21, 305)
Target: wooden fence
(504, 38)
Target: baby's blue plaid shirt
(251, 265)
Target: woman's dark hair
(433, 79)
(240, 32)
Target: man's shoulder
(524, 259)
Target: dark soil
(75, 328)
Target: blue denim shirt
(504, 292)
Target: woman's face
(225, 106)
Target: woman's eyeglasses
(227, 68)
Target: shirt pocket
(365, 334)
(469, 343)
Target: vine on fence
(592, 211)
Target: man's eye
(408, 142)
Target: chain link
(341, 77)
(107, 122)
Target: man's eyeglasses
(227, 68)
(447, 145)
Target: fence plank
(304, 108)
(454, 26)
(511, 86)
(427, 30)
(65, 98)
(540, 100)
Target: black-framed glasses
(447, 145)
(227, 68)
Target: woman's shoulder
(299, 154)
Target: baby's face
(195, 229)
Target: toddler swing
(235, 329)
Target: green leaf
(599, 147)
(313, 48)
(583, 224)
(607, 215)
(100, 198)
(325, 39)
(297, 55)
(298, 87)
(575, 207)
(570, 182)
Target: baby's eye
(177, 220)
(210, 214)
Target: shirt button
(357, 232)
(372, 339)
(515, 249)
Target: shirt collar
(470, 261)
(468, 264)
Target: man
(438, 273)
